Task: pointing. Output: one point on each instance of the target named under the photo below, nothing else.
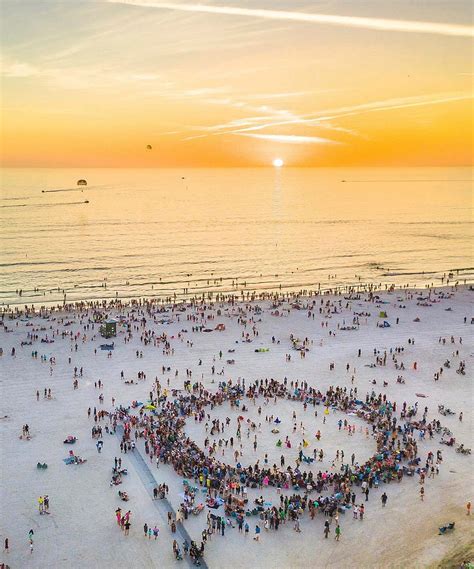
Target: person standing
(338, 532)
(257, 533)
(31, 533)
(468, 508)
(6, 548)
(384, 499)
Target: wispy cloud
(75, 78)
(393, 104)
(316, 118)
(17, 70)
(268, 96)
(409, 26)
(289, 138)
(204, 91)
(325, 119)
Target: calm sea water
(160, 231)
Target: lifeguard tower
(109, 328)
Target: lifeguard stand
(109, 328)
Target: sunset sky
(236, 83)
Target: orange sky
(91, 84)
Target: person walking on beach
(384, 498)
(338, 532)
(6, 548)
(422, 493)
(31, 533)
(468, 508)
(326, 529)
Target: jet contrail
(348, 21)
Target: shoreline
(111, 303)
(237, 287)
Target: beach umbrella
(150, 407)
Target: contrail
(410, 26)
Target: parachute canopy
(82, 182)
(149, 147)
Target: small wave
(15, 199)
(430, 222)
(62, 190)
(400, 181)
(55, 204)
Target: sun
(278, 162)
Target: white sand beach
(80, 529)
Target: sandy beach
(342, 342)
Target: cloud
(289, 138)
(321, 119)
(393, 104)
(409, 26)
(288, 95)
(204, 91)
(17, 70)
(77, 77)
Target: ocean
(160, 232)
